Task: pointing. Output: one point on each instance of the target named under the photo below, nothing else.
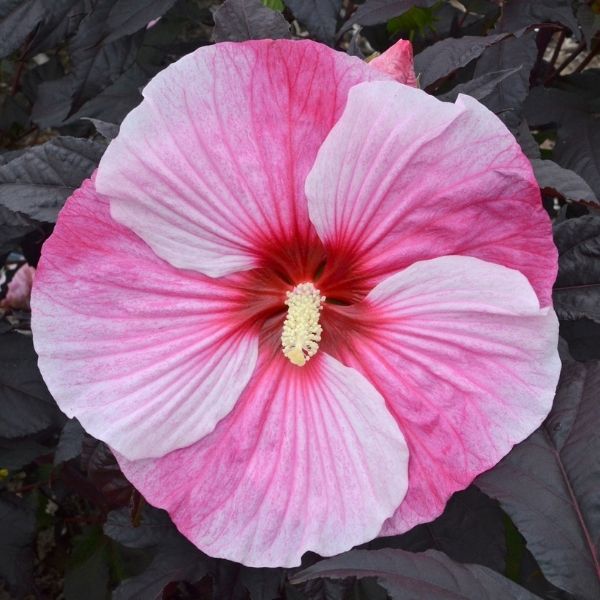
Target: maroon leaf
(104, 474)
(549, 485)
(577, 287)
(409, 576)
(373, 12)
(451, 54)
(240, 20)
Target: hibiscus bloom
(19, 289)
(302, 302)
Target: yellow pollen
(301, 330)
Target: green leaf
(274, 5)
(413, 21)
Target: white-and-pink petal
(210, 167)
(309, 459)
(404, 177)
(148, 357)
(467, 362)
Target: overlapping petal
(466, 361)
(210, 168)
(148, 357)
(404, 177)
(397, 61)
(303, 462)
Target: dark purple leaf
(549, 485)
(127, 17)
(19, 18)
(471, 530)
(481, 87)
(330, 589)
(233, 580)
(17, 453)
(262, 584)
(527, 142)
(32, 78)
(577, 148)
(60, 27)
(155, 528)
(13, 114)
(174, 558)
(373, 12)
(17, 531)
(109, 131)
(239, 20)
(104, 474)
(6, 157)
(574, 110)
(445, 57)
(12, 228)
(318, 16)
(38, 182)
(583, 338)
(509, 94)
(96, 64)
(555, 179)
(117, 100)
(577, 287)
(409, 576)
(550, 105)
(25, 404)
(70, 442)
(517, 15)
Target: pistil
(301, 330)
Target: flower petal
(467, 362)
(303, 462)
(404, 177)
(147, 357)
(397, 61)
(211, 166)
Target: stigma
(301, 330)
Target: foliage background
(72, 527)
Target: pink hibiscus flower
(302, 302)
(19, 289)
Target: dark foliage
(548, 485)
(72, 526)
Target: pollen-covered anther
(301, 330)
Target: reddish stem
(22, 60)
(586, 61)
(565, 63)
(559, 43)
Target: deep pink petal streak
(210, 168)
(309, 459)
(466, 361)
(404, 177)
(148, 357)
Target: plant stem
(565, 63)
(586, 61)
(559, 43)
